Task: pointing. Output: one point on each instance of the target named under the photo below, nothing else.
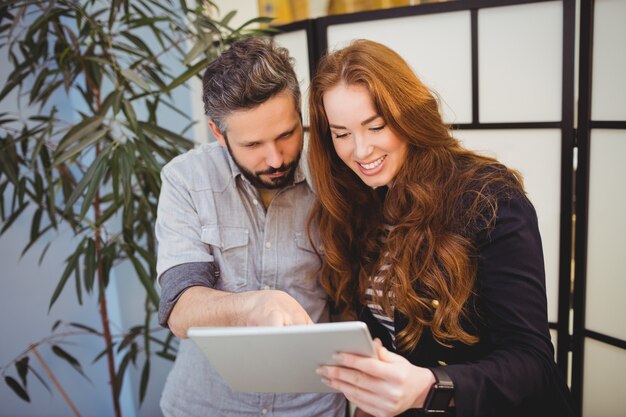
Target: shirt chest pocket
(307, 263)
(229, 246)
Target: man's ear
(217, 133)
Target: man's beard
(271, 183)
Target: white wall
(25, 296)
(246, 10)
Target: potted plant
(98, 171)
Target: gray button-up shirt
(213, 230)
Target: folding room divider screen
(599, 345)
(505, 73)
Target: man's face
(265, 142)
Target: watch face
(440, 398)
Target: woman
(435, 247)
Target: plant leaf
(22, 369)
(166, 355)
(84, 327)
(119, 377)
(86, 180)
(71, 265)
(139, 43)
(43, 382)
(12, 83)
(17, 388)
(165, 133)
(191, 71)
(127, 107)
(195, 51)
(103, 352)
(129, 338)
(13, 217)
(78, 131)
(69, 359)
(9, 160)
(89, 261)
(90, 138)
(79, 290)
(3, 187)
(35, 224)
(226, 20)
(35, 239)
(146, 281)
(131, 75)
(145, 377)
(43, 253)
(94, 184)
(260, 19)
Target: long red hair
(442, 195)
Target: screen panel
(536, 154)
(606, 234)
(520, 64)
(436, 46)
(296, 44)
(608, 98)
(605, 367)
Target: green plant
(98, 172)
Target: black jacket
(511, 371)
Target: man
(231, 226)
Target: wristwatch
(440, 394)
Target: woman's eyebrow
(363, 123)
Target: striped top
(375, 288)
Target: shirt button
(266, 287)
(255, 202)
(268, 244)
(442, 363)
(264, 411)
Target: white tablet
(279, 359)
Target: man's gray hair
(251, 71)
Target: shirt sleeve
(178, 228)
(512, 300)
(177, 279)
(183, 260)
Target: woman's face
(361, 137)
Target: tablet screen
(279, 359)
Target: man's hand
(272, 308)
(202, 306)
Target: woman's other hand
(382, 386)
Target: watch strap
(442, 377)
